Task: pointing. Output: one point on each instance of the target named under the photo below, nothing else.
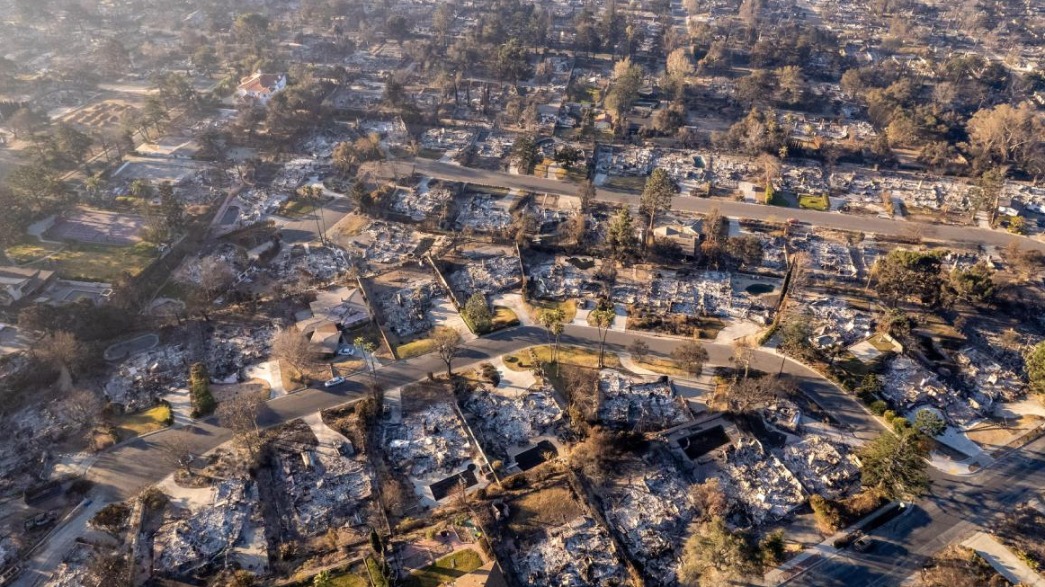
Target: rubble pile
(193, 541)
(707, 293)
(385, 243)
(911, 386)
(484, 213)
(783, 415)
(489, 275)
(649, 511)
(405, 311)
(325, 486)
(504, 422)
(804, 179)
(447, 139)
(576, 554)
(143, 378)
(826, 256)
(987, 377)
(420, 202)
(758, 481)
(431, 443)
(314, 263)
(231, 347)
(822, 467)
(838, 324)
(557, 280)
(495, 145)
(625, 401)
(917, 193)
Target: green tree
(795, 332)
(203, 402)
(929, 423)
(322, 579)
(72, 143)
(511, 64)
(171, 207)
(975, 284)
(553, 320)
(621, 234)
(477, 311)
(714, 555)
(568, 156)
(657, 195)
(526, 153)
(894, 465)
(903, 275)
(1035, 365)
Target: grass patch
(421, 346)
(80, 262)
(290, 376)
(627, 184)
(503, 317)
(30, 251)
(131, 425)
(445, 569)
(349, 580)
(664, 366)
(568, 307)
(811, 202)
(542, 509)
(570, 355)
(298, 207)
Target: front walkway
(1003, 560)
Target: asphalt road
(127, 469)
(967, 235)
(955, 508)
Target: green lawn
(81, 262)
(30, 250)
(810, 202)
(416, 348)
(445, 570)
(503, 318)
(571, 355)
(131, 425)
(349, 580)
(298, 207)
(626, 184)
(568, 307)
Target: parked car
(863, 544)
(346, 351)
(335, 381)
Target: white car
(346, 351)
(335, 381)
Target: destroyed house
(17, 283)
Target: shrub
(879, 407)
(889, 415)
(112, 517)
(827, 514)
(199, 388)
(491, 374)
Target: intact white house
(261, 86)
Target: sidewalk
(1003, 560)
